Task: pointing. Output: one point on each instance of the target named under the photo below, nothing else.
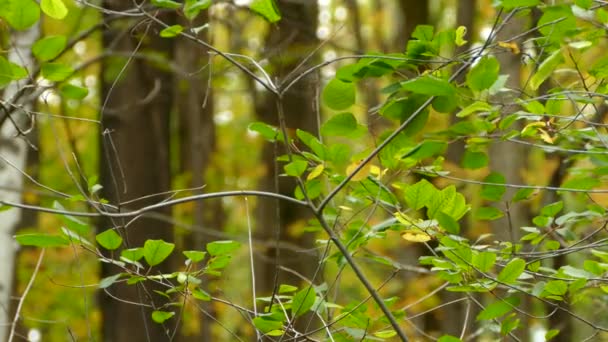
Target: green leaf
(195, 256)
(499, 308)
(70, 91)
(474, 160)
(447, 222)
(340, 125)
(511, 4)
(483, 74)
(546, 69)
(556, 21)
(6, 72)
(551, 334)
(266, 324)
(108, 281)
(556, 287)
(448, 201)
(488, 213)
(493, 192)
(20, 14)
(193, 7)
(429, 85)
(54, 8)
(267, 9)
(461, 31)
(56, 71)
(385, 333)
(550, 210)
(161, 316)
(302, 301)
(581, 183)
(42, 240)
(449, 338)
(339, 95)
(171, 31)
(473, 108)
(156, 251)
(201, 294)
(522, 194)
(419, 194)
(267, 131)
(217, 248)
(132, 254)
(484, 261)
(49, 47)
(296, 168)
(109, 239)
(166, 4)
(512, 271)
(312, 142)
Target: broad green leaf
(483, 74)
(171, 31)
(499, 308)
(56, 71)
(511, 4)
(267, 9)
(108, 281)
(474, 159)
(551, 334)
(493, 192)
(556, 21)
(75, 237)
(161, 316)
(312, 142)
(512, 271)
(523, 194)
(70, 91)
(109, 239)
(429, 85)
(447, 222)
(6, 72)
(218, 248)
(552, 209)
(339, 95)
(473, 108)
(302, 301)
(201, 294)
(296, 168)
(132, 254)
(448, 201)
(21, 14)
(556, 287)
(340, 125)
(546, 69)
(166, 4)
(156, 251)
(193, 7)
(484, 261)
(42, 240)
(266, 324)
(419, 195)
(581, 183)
(195, 256)
(488, 213)
(49, 47)
(267, 131)
(54, 8)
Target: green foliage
(267, 9)
(49, 47)
(156, 251)
(339, 95)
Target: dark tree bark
(290, 41)
(135, 122)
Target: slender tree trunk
(135, 143)
(15, 150)
(295, 35)
(197, 136)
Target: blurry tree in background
(305, 170)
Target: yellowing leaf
(461, 31)
(546, 136)
(362, 174)
(415, 235)
(510, 46)
(316, 172)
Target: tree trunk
(135, 123)
(14, 149)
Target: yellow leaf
(546, 137)
(415, 235)
(362, 174)
(318, 170)
(511, 46)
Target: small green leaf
(550, 210)
(473, 108)
(267, 9)
(429, 85)
(195, 256)
(161, 316)
(266, 324)
(6, 72)
(493, 192)
(484, 261)
(556, 287)
(488, 213)
(545, 69)
(385, 333)
(156, 251)
(218, 248)
(447, 222)
(483, 74)
(268, 132)
(54, 8)
(109, 239)
(108, 281)
(200, 294)
(302, 301)
(42, 240)
(296, 168)
(166, 4)
(56, 71)
(551, 334)
(284, 288)
(171, 31)
(419, 194)
(499, 308)
(511, 4)
(312, 142)
(339, 95)
(132, 254)
(459, 40)
(21, 14)
(474, 160)
(449, 338)
(70, 91)
(340, 125)
(522, 194)
(512, 271)
(193, 7)
(49, 47)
